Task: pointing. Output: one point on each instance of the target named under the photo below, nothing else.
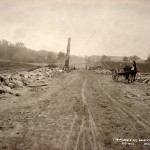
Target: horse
(130, 74)
(127, 69)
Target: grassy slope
(6, 66)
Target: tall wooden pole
(67, 55)
(85, 62)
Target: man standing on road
(134, 70)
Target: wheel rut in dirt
(134, 119)
(83, 134)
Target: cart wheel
(115, 75)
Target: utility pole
(85, 63)
(67, 55)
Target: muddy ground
(79, 110)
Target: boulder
(11, 85)
(5, 89)
(25, 81)
(19, 83)
(6, 82)
(2, 78)
(17, 94)
(26, 76)
(146, 80)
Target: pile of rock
(39, 75)
(145, 80)
(10, 81)
(102, 71)
(142, 78)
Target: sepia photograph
(74, 74)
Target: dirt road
(77, 111)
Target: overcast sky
(96, 27)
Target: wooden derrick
(67, 55)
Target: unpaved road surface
(77, 111)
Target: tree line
(131, 58)
(19, 52)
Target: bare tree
(20, 44)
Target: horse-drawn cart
(116, 73)
(128, 75)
